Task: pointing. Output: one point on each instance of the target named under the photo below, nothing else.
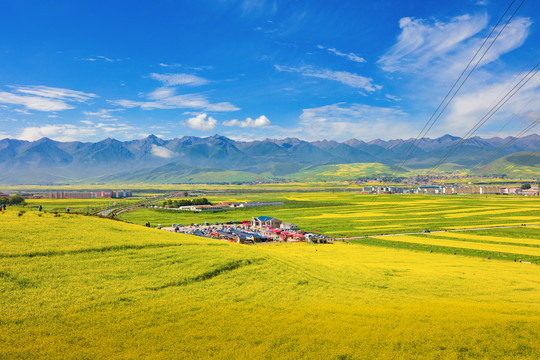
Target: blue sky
(255, 69)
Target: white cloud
(162, 152)
(179, 79)
(70, 132)
(469, 107)
(199, 122)
(165, 98)
(351, 56)
(344, 121)
(344, 77)
(249, 122)
(43, 98)
(33, 102)
(63, 132)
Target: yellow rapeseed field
(431, 240)
(461, 235)
(79, 287)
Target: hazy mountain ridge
(50, 161)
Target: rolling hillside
(517, 164)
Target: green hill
(517, 164)
(341, 172)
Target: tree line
(186, 202)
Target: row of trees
(13, 200)
(186, 202)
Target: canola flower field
(74, 286)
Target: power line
(508, 143)
(427, 127)
(524, 80)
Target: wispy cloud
(344, 77)
(200, 122)
(392, 97)
(44, 98)
(193, 68)
(179, 79)
(422, 42)
(258, 7)
(249, 122)
(100, 58)
(165, 98)
(351, 56)
(439, 49)
(103, 113)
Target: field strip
(477, 227)
(490, 212)
(489, 226)
(513, 249)
(488, 238)
(459, 210)
(520, 218)
(381, 226)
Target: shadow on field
(99, 250)
(230, 266)
(21, 283)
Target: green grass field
(78, 287)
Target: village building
(288, 226)
(266, 221)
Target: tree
(17, 200)
(4, 200)
(525, 186)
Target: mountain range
(217, 158)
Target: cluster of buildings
(259, 229)
(90, 194)
(452, 190)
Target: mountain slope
(60, 162)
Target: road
(439, 231)
(106, 212)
